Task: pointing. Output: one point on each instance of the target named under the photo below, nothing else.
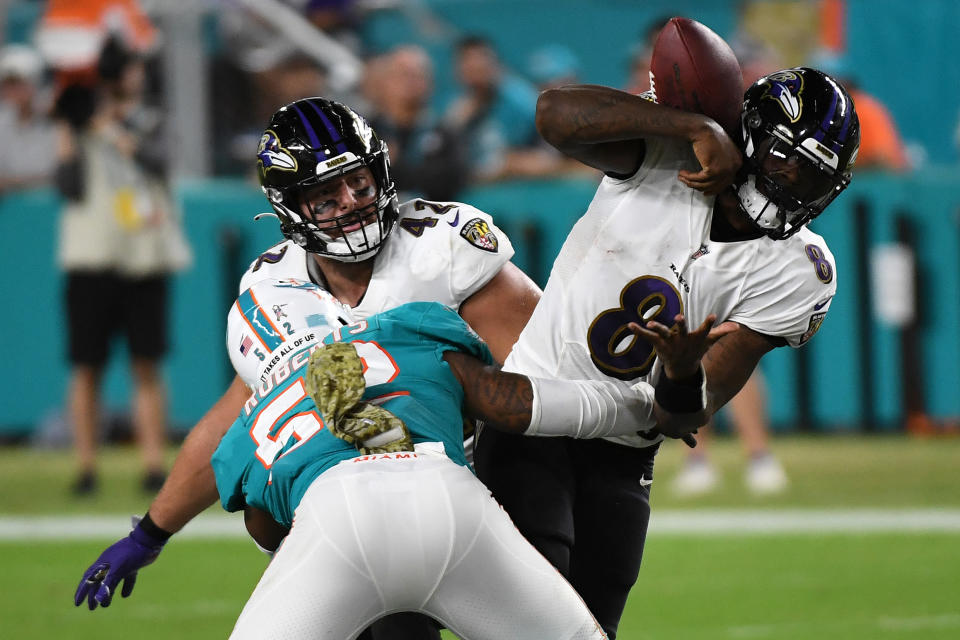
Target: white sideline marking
(913, 623)
(24, 528)
(662, 522)
(787, 521)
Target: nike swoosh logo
(456, 219)
(644, 482)
(821, 305)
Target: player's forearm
(191, 486)
(590, 408)
(589, 114)
(730, 362)
(502, 400)
(536, 406)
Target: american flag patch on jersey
(245, 345)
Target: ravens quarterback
(686, 222)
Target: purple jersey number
(616, 351)
(820, 263)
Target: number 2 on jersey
(614, 349)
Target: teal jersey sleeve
(443, 326)
(229, 463)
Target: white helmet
(274, 319)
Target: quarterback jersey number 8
(274, 319)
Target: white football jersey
(641, 252)
(439, 252)
(275, 318)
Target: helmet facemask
(787, 185)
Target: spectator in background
(550, 66)
(28, 135)
(494, 114)
(336, 18)
(427, 159)
(882, 146)
(119, 242)
(757, 58)
(71, 34)
(261, 70)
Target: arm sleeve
(590, 408)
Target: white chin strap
(355, 246)
(763, 212)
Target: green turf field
(696, 585)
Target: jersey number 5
(614, 349)
(302, 426)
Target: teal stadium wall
(537, 214)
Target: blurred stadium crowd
(219, 69)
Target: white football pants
(380, 534)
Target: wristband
(682, 396)
(150, 528)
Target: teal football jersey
(278, 444)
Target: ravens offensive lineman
(667, 237)
(326, 174)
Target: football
(694, 69)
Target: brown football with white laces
(694, 69)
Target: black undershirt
(722, 231)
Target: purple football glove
(120, 561)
